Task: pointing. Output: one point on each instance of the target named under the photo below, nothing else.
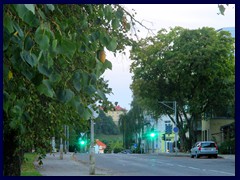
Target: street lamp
(92, 150)
(175, 119)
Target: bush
(227, 147)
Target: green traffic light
(82, 142)
(152, 134)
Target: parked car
(204, 148)
(126, 151)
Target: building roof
(100, 143)
(119, 108)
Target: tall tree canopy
(195, 68)
(53, 61)
(105, 125)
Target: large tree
(131, 124)
(53, 61)
(195, 68)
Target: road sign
(175, 129)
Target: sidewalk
(68, 166)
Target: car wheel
(192, 156)
(215, 156)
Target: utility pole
(61, 149)
(92, 157)
(175, 118)
(92, 150)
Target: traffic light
(152, 135)
(163, 137)
(81, 142)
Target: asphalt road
(155, 165)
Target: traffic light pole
(175, 118)
(92, 157)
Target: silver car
(204, 148)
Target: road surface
(155, 165)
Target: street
(155, 165)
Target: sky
(156, 17)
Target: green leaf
(18, 29)
(6, 39)
(26, 15)
(55, 77)
(115, 23)
(28, 74)
(44, 42)
(28, 43)
(6, 100)
(90, 90)
(64, 95)
(30, 7)
(107, 64)
(8, 24)
(101, 95)
(44, 70)
(50, 7)
(87, 114)
(46, 88)
(54, 44)
(112, 45)
(119, 13)
(30, 58)
(108, 12)
(77, 81)
(84, 79)
(104, 40)
(67, 47)
(221, 9)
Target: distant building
(99, 147)
(116, 112)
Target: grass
(28, 168)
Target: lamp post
(175, 118)
(92, 150)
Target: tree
(52, 69)
(131, 124)
(187, 66)
(105, 125)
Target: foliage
(227, 147)
(51, 72)
(186, 66)
(105, 125)
(131, 124)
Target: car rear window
(208, 145)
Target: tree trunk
(12, 160)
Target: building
(99, 147)
(116, 112)
(215, 129)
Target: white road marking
(193, 168)
(181, 165)
(222, 172)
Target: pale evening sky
(156, 17)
